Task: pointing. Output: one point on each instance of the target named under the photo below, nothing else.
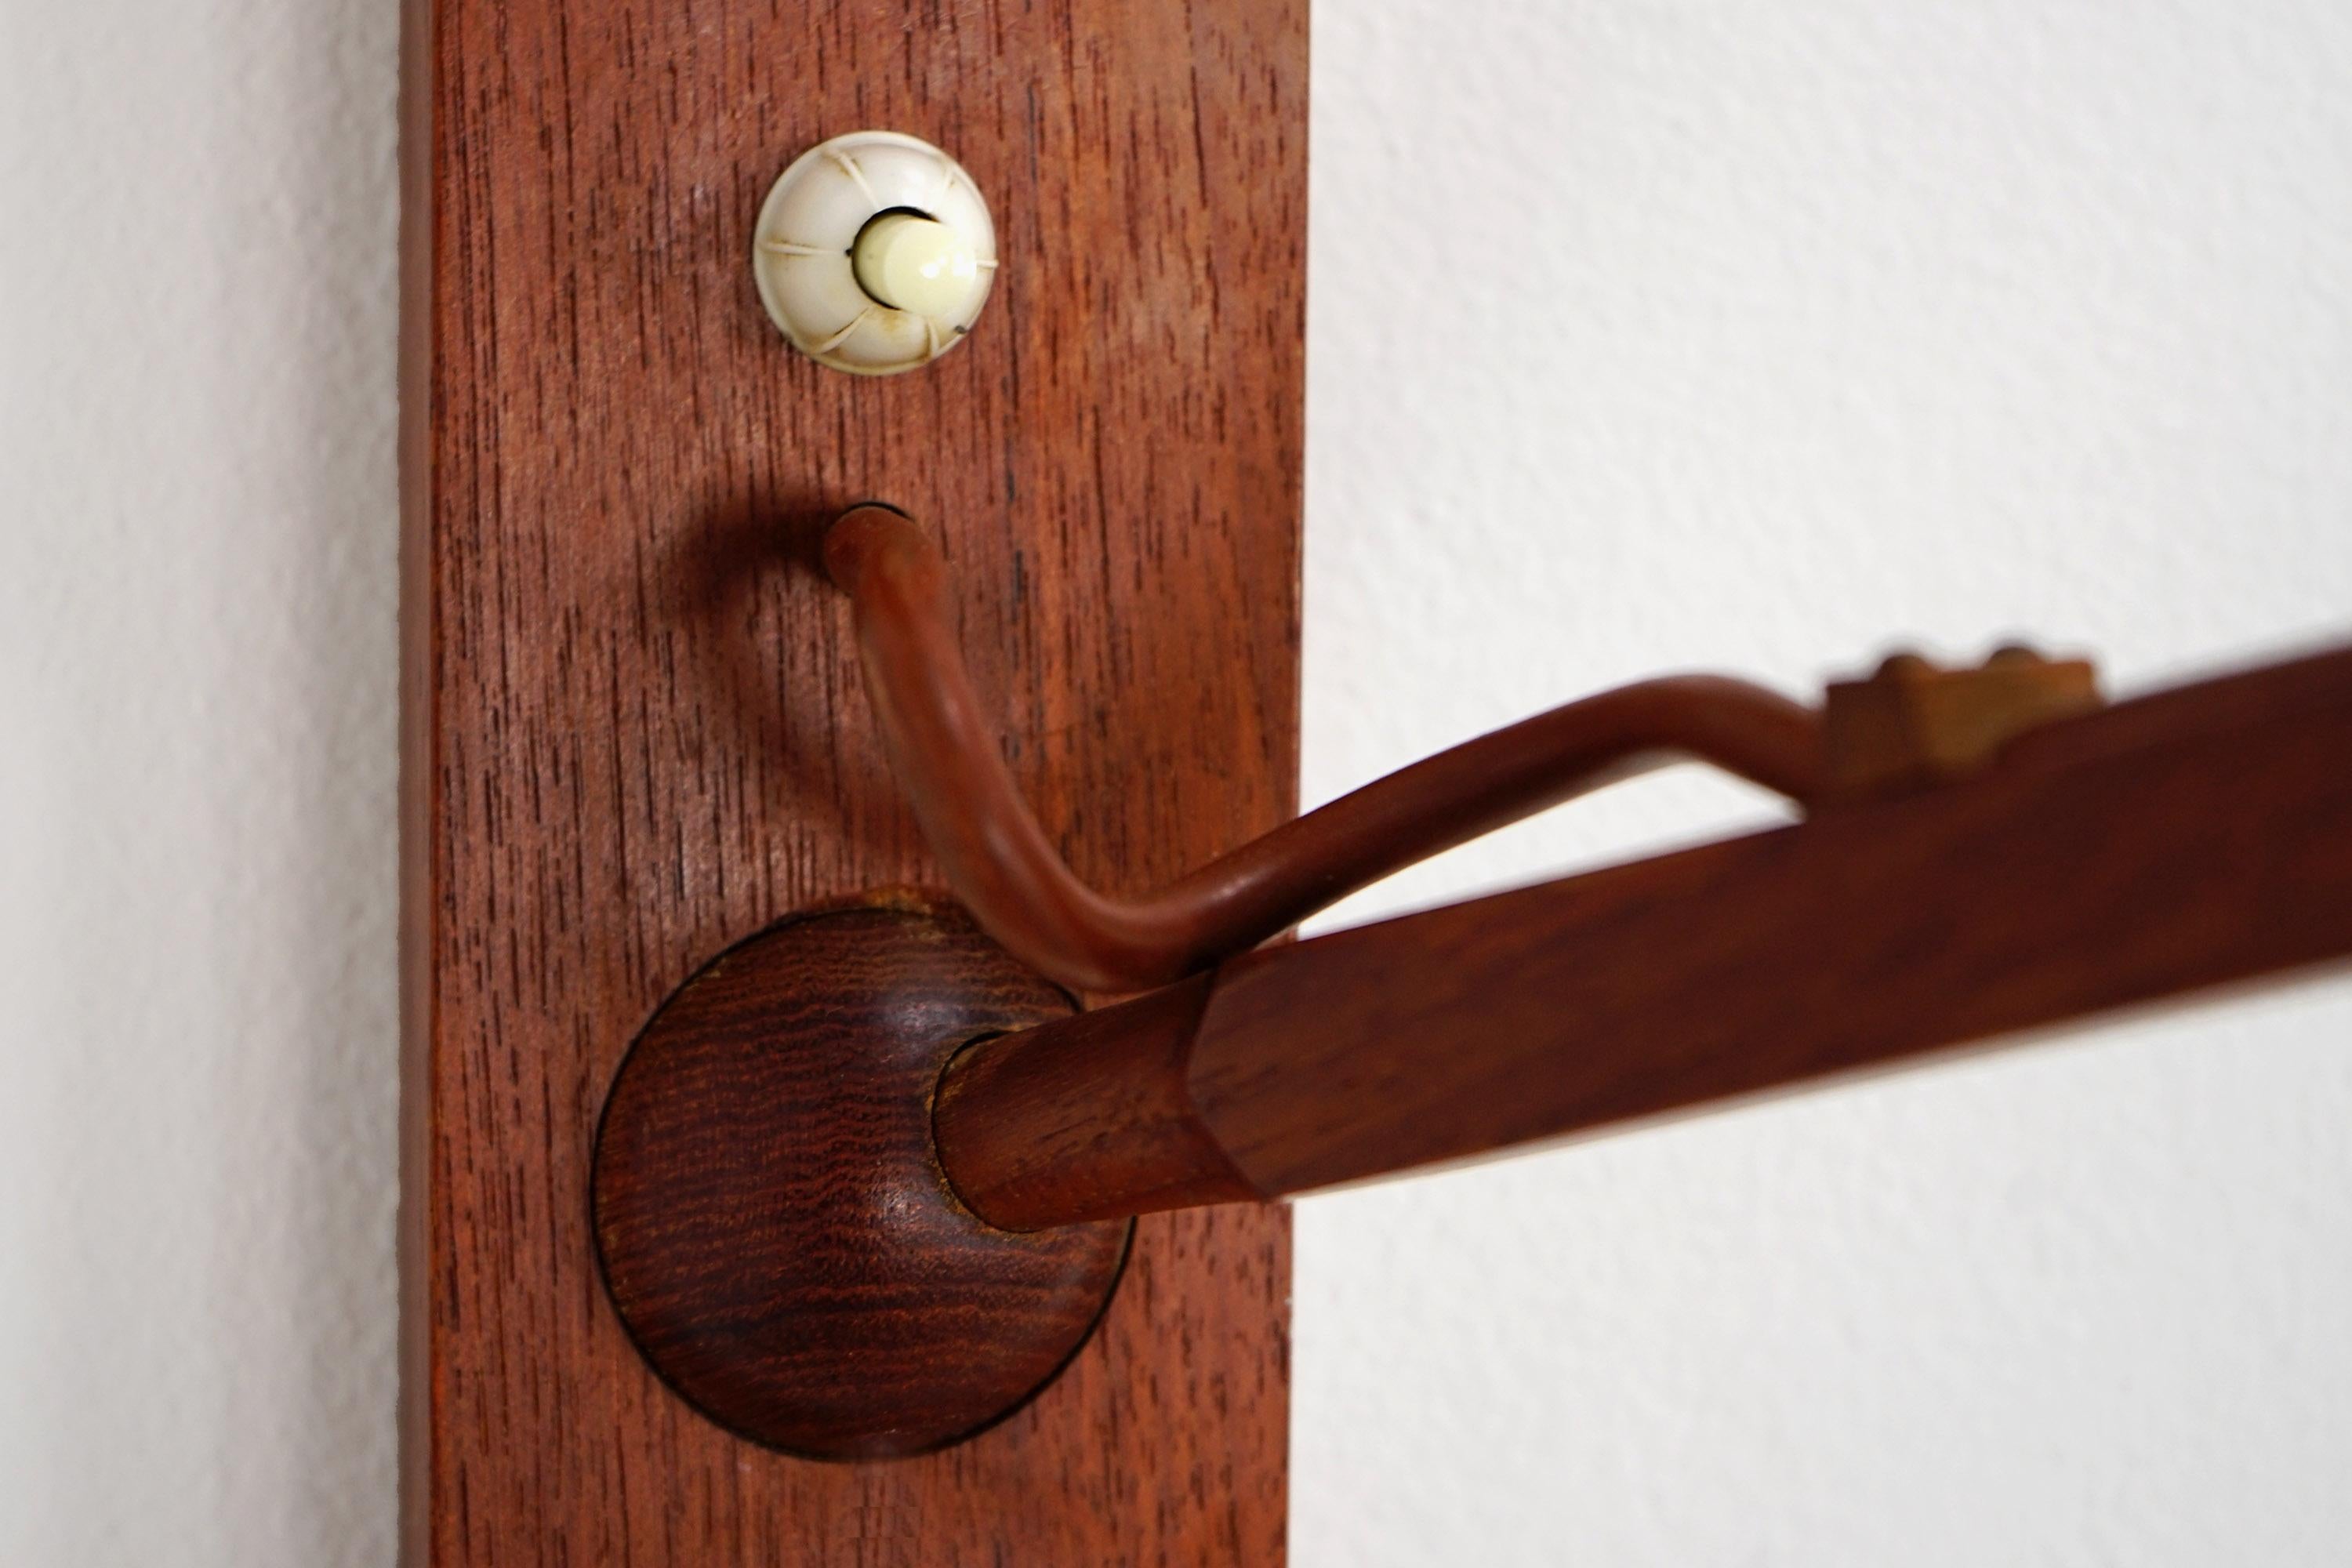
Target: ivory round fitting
(873, 253)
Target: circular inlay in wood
(775, 1230)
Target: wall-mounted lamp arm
(944, 752)
(2196, 838)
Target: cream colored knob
(919, 264)
(873, 253)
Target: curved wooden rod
(1001, 865)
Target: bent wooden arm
(944, 752)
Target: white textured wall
(197, 1073)
(1648, 336)
(1829, 324)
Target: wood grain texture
(633, 733)
(771, 1219)
(2193, 838)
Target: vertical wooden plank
(634, 732)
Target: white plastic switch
(874, 253)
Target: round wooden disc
(775, 1230)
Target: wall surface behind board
(1761, 338)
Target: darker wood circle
(773, 1225)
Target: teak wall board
(635, 734)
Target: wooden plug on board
(774, 1227)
